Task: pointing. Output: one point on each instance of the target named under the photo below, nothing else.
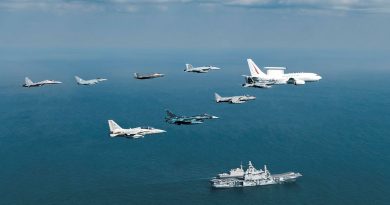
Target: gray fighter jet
(233, 99)
(29, 83)
(147, 76)
(184, 120)
(255, 82)
(202, 69)
(88, 82)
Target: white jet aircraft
(88, 82)
(276, 75)
(202, 69)
(29, 83)
(138, 132)
(233, 99)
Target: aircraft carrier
(251, 177)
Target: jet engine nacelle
(299, 82)
(295, 81)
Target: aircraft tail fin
(188, 67)
(113, 126)
(170, 114)
(28, 81)
(255, 71)
(78, 79)
(217, 97)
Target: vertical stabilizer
(188, 66)
(28, 81)
(78, 79)
(113, 125)
(255, 71)
(217, 97)
(170, 114)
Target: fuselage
(149, 76)
(90, 82)
(41, 83)
(235, 99)
(201, 69)
(183, 120)
(135, 132)
(285, 78)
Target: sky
(204, 24)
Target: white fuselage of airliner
(276, 75)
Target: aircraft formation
(256, 79)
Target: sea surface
(55, 147)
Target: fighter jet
(183, 120)
(29, 83)
(138, 132)
(233, 99)
(202, 69)
(88, 82)
(147, 76)
(255, 82)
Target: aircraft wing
(192, 120)
(202, 70)
(133, 134)
(236, 100)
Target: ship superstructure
(251, 177)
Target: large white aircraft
(138, 132)
(88, 82)
(276, 75)
(202, 69)
(30, 83)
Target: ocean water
(55, 148)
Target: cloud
(347, 5)
(164, 5)
(48, 5)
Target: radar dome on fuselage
(275, 71)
